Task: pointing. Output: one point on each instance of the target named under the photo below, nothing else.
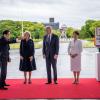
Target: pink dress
(75, 48)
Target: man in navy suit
(4, 57)
(50, 53)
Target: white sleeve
(69, 47)
(80, 47)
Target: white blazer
(75, 48)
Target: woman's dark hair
(6, 32)
(76, 32)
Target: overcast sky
(70, 12)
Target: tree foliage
(88, 30)
(36, 29)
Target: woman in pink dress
(75, 50)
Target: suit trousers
(51, 63)
(3, 70)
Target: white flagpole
(22, 27)
(21, 20)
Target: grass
(37, 40)
(88, 44)
(89, 39)
(38, 44)
(17, 45)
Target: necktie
(49, 39)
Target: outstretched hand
(17, 40)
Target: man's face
(7, 35)
(48, 30)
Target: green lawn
(38, 44)
(88, 44)
(17, 45)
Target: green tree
(13, 26)
(86, 29)
(93, 26)
(37, 29)
(69, 32)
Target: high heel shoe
(74, 82)
(30, 82)
(25, 82)
(77, 82)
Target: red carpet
(88, 88)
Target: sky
(73, 13)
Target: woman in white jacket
(75, 50)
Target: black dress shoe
(3, 88)
(55, 82)
(6, 85)
(48, 83)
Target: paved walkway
(63, 66)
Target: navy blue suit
(4, 58)
(51, 48)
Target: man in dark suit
(50, 53)
(4, 57)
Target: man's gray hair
(50, 27)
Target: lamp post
(22, 27)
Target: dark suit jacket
(52, 48)
(27, 48)
(4, 46)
